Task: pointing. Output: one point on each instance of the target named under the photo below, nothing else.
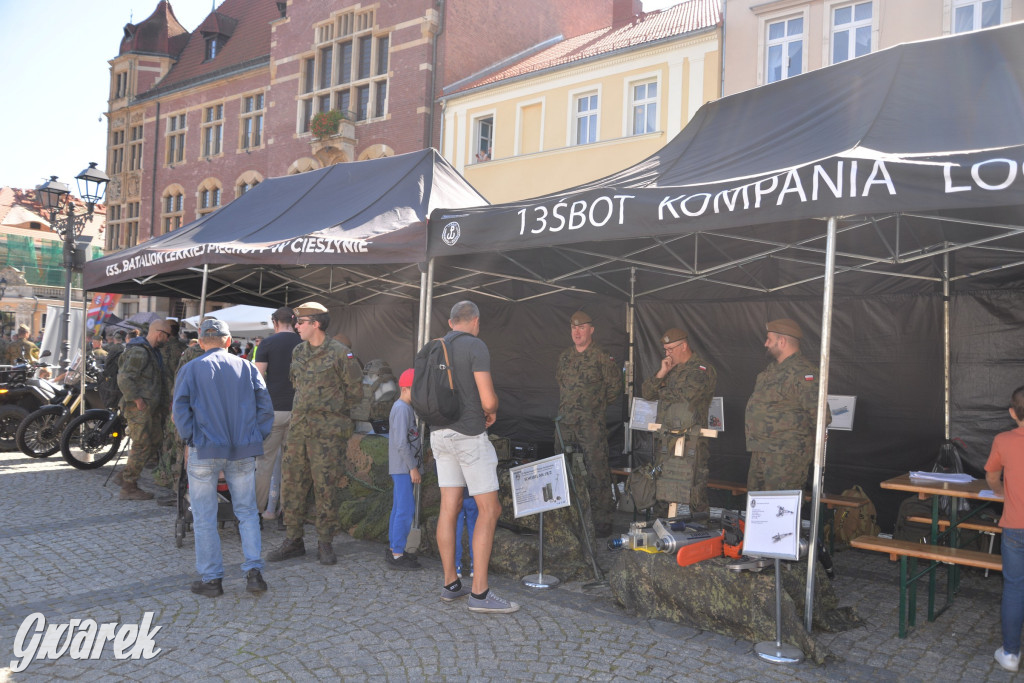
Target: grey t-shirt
(469, 355)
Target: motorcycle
(91, 439)
(21, 394)
(38, 435)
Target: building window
(113, 227)
(213, 46)
(131, 225)
(246, 182)
(252, 121)
(116, 151)
(585, 112)
(209, 197)
(135, 149)
(213, 130)
(645, 107)
(785, 57)
(120, 84)
(350, 71)
(483, 145)
(173, 208)
(851, 31)
(971, 15)
(176, 139)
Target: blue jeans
(402, 509)
(469, 513)
(202, 492)
(1013, 589)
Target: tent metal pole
(423, 309)
(202, 292)
(947, 395)
(821, 433)
(630, 350)
(429, 309)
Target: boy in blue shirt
(403, 465)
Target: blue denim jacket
(221, 406)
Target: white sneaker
(1007, 661)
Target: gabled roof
(160, 33)
(679, 20)
(245, 22)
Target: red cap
(405, 380)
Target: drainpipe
(429, 136)
(721, 52)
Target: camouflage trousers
(592, 440)
(317, 465)
(172, 450)
(692, 487)
(778, 471)
(145, 427)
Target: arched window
(172, 208)
(208, 198)
(302, 165)
(376, 152)
(246, 182)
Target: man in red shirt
(1004, 473)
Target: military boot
(292, 547)
(326, 552)
(130, 491)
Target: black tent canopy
(348, 233)
(894, 182)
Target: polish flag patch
(808, 378)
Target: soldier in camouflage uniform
(141, 377)
(171, 448)
(588, 381)
(781, 413)
(327, 383)
(117, 344)
(22, 347)
(683, 387)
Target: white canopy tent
(244, 321)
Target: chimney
(623, 11)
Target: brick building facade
(197, 118)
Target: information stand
(536, 487)
(773, 530)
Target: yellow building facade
(553, 121)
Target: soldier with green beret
(781, 413)
(683, 386)
(328, 382)
(588, 381)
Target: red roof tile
(686, 17)
(159, 33)
(247, 22)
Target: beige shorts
(465, 461)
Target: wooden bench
(904, 550)
(973, 526)
(829, 500)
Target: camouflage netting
(709, 596)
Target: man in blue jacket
(223, 413)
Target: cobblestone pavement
(71, 550)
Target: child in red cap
(404, 467)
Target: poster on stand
(716, 414)
(842, 408)
(773, 524)
(643, 414)
(539, 486)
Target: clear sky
(53, 124)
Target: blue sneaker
(492, 604)
(449, 595)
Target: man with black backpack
(465, 458)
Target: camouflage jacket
(171, 353)
(113, 346)
(692, 383)
(328, 382)
(22, 348)
(781, 412)
(587, 383)
(140, 373)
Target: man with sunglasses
(140, 377)
(683, 387)
(327, 382)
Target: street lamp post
(54, 196)
(3, 318)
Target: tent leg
(821, 433)
(202, 292)
(428, 308)
(945, 345)
(630, 350)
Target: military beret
(785, 326)
(673, 335)
(580, 318)
(311, 308)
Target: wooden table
(925, 488)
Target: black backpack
(109, 392)
(434, 396)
